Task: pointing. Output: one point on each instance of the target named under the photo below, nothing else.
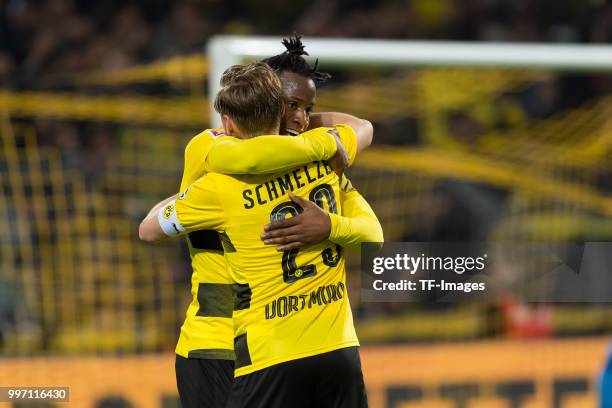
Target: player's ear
(228, 125)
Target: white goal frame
(224, 51)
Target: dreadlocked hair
(292, 60)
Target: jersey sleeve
(349, 140)
(357, 224)
(269, 154)
(199, 207)
(195, 153)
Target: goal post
(470, 112)
(224, 51)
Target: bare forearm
(149, 229)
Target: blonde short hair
(252, 95)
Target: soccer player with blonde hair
(291, 309)
(204, 361)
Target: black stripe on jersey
(212, 354)
(346, 185)
(205, 239)
(226, 242)
(215, 299)
(243, 293)
(241, 348)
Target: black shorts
(329, 380)
(204, 383)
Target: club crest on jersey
(216, 132)
(168, 211)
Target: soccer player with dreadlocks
(205, 349)
(299, 81)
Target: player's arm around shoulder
(268, 154)
(195, 153)
(362, 128)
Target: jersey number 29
(331, 255)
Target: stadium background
(98, 100)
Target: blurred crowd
(44, 42)
(41, 38)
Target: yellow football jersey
(208, 329)
(288, 305)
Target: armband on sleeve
(168, 220)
